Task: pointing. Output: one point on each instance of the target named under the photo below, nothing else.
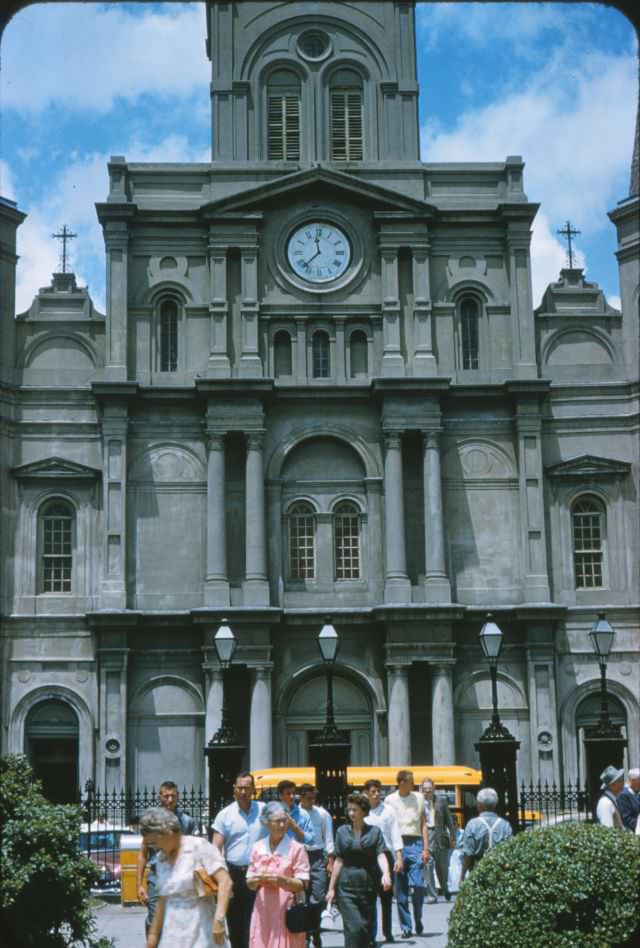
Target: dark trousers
(240, 908)
(358, 910)
(318, 881)
(386, 902)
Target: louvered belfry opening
(283, 116)
(346, 117)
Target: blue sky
(555, 83)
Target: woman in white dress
(185, 919)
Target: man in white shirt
(384, 818)
(611, 784)
(320, 852)
(235, 829)
(408, 808)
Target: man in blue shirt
(320, 852)
(483, 832)
(235, 829)
(299, 823)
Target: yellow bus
(461, 784)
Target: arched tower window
(358, 361)
(55, 531)
(320, 351)
(346, 116)
(346, 540)
(282, 353)
(469, 333)
(587, 520)
(168, 336)
(302, 541)
(283, 116)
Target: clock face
(318, 252)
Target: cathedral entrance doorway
(52, 748)
(305, 718)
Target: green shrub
(45, 880)
(569, 886)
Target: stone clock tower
(321, 386)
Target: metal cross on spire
(64, 235)
(568, 232)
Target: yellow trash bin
(129, 849)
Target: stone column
(531, 490)
(260, 735)
(116, 237)
(250, 365)
(399, 719)
(424, 360)
(340, 353)
(216, 582)
(256, 587)
(114, 487)
(518, 244)
(437, 586)
(218, 365)
(213, 713)
(397, 587)
(442, 726)
(300, 370)
(392, 359)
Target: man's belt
(410, 839)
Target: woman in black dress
(357, 868)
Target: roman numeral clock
(318, 252)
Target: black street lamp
(329, 751)
(223, 752)
(497, 747)
(604, 743)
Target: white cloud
(480, 23)
(71, 199)
(577, 145)
(7, 187)
(87, 57)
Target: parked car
(100, 842)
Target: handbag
(204, 885)
(298, 918)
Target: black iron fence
(547, 804)
(108, 815)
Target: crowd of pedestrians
(265, 858)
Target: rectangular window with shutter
(283, 128)
(346, 126)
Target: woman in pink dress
(278, 871)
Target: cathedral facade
(320, 388)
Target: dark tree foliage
(45, 880)
(561, 887)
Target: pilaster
(442, 719)
(424, 360)
(518, 247)
(250, 365)
(397, 587)
(219, 365)
(392, 363)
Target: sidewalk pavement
(126, 926)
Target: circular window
(314, 45)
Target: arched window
(56, 547)
(282, 353)
(346, 116)
(321, 355)
(358, 361)
(168, 336)
(469, 333)
(346, 540)
(587, 520)
(283, 116)
(302, 542)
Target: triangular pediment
(56, 468)
(588, 465)
(334, 184)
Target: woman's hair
(270, 810)
(159, 820)
(361, 800)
